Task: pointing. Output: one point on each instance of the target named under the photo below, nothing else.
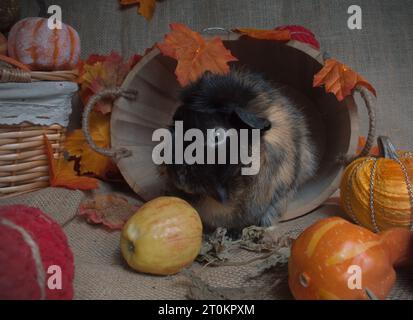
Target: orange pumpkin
(33, 43)
(322, 258)
(3, 44)
(376, 192)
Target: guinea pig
(222, 195)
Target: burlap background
(381, 52)
(100, 272)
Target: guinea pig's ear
(252, 120)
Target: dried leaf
(340, 79)
(215, 250)
(146, 7)
(252, 239)
(91, 161)
(111, 210)
(271, 268)
(362, 142)
(259, 239)
(215, 247)
(101, 72)
(194, 54)
(62, 174)
(277, 35)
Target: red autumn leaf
(278, 35)
(339, 79)
(299, 33)
(362, 142)
(111, 210)
(194, 54)
(146, 7)
(62, 173)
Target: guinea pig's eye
(216, 137)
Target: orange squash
(376, 192)
(326, 256)
(34, 44)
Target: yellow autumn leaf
(74, 143)
(62, 173)
(91, 161)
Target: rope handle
(369, 102)
(112, 93)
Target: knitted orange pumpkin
(328, 254)
(33, 43)
(376, 192)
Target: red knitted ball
(302, 34)
(32, 249)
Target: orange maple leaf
(146, 7)
(91, 161)
(340, 79)
(62, 174)
(194, 54)
(278, 35)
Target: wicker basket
(23, 161)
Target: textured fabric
(381, 51)
(101, 273)
(42, 103)
(61, 204)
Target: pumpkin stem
(371, 294)
(387, 149)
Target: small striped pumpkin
(33, 43)
(326, 256)
(377, 192)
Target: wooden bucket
(333, 124)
